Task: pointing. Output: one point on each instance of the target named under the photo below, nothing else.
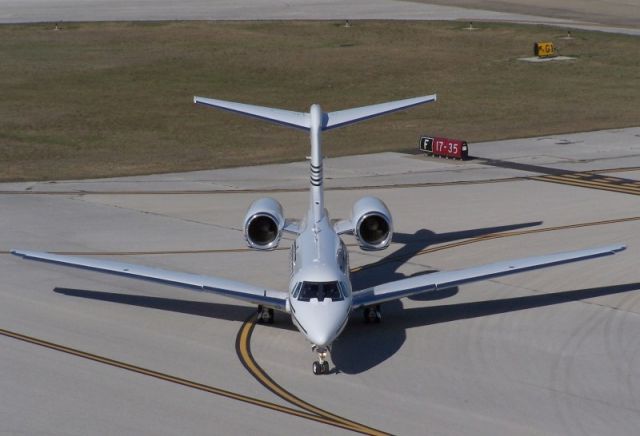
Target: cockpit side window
(296, 290)
(320, 291)
(344, 288)
(343, 257)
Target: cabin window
(320, 291)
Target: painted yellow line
(615, 170)
(244, 335)
(600, 186)
(243, 349)
(313, 413)
(587, 184)
(581, 178)
(172, 379)
(598, 182)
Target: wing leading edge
(447, 279)
(215, 285)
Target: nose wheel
(321, 366)
(265, 315)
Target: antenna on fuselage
(315, 122)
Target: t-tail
(315, 122)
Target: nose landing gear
(321, 366)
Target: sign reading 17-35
(444, 147)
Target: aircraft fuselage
(320, 287)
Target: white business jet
(320, 297)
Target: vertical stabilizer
(316, 178)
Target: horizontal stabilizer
(351, 116)
(301, 120)
(297, 120)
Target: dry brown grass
(106, 99)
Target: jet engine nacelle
(263, 224)
(372, 223)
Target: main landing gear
(321, 366)
(265, 315)
(372, 314)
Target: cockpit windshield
(319, 290)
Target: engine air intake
(374, 229)
(262, 230)
(263, 224)
(372, 224)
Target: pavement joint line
(265, 190)
(489, 162)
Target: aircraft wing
(215, 285)
(447, 279)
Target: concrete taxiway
(586, 14)
(555, 351)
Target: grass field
(107, 99)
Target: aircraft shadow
(363, 346)
(229, 312)
(386, 269)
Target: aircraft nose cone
(319, 338)
(321, 323)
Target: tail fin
(315, 121)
